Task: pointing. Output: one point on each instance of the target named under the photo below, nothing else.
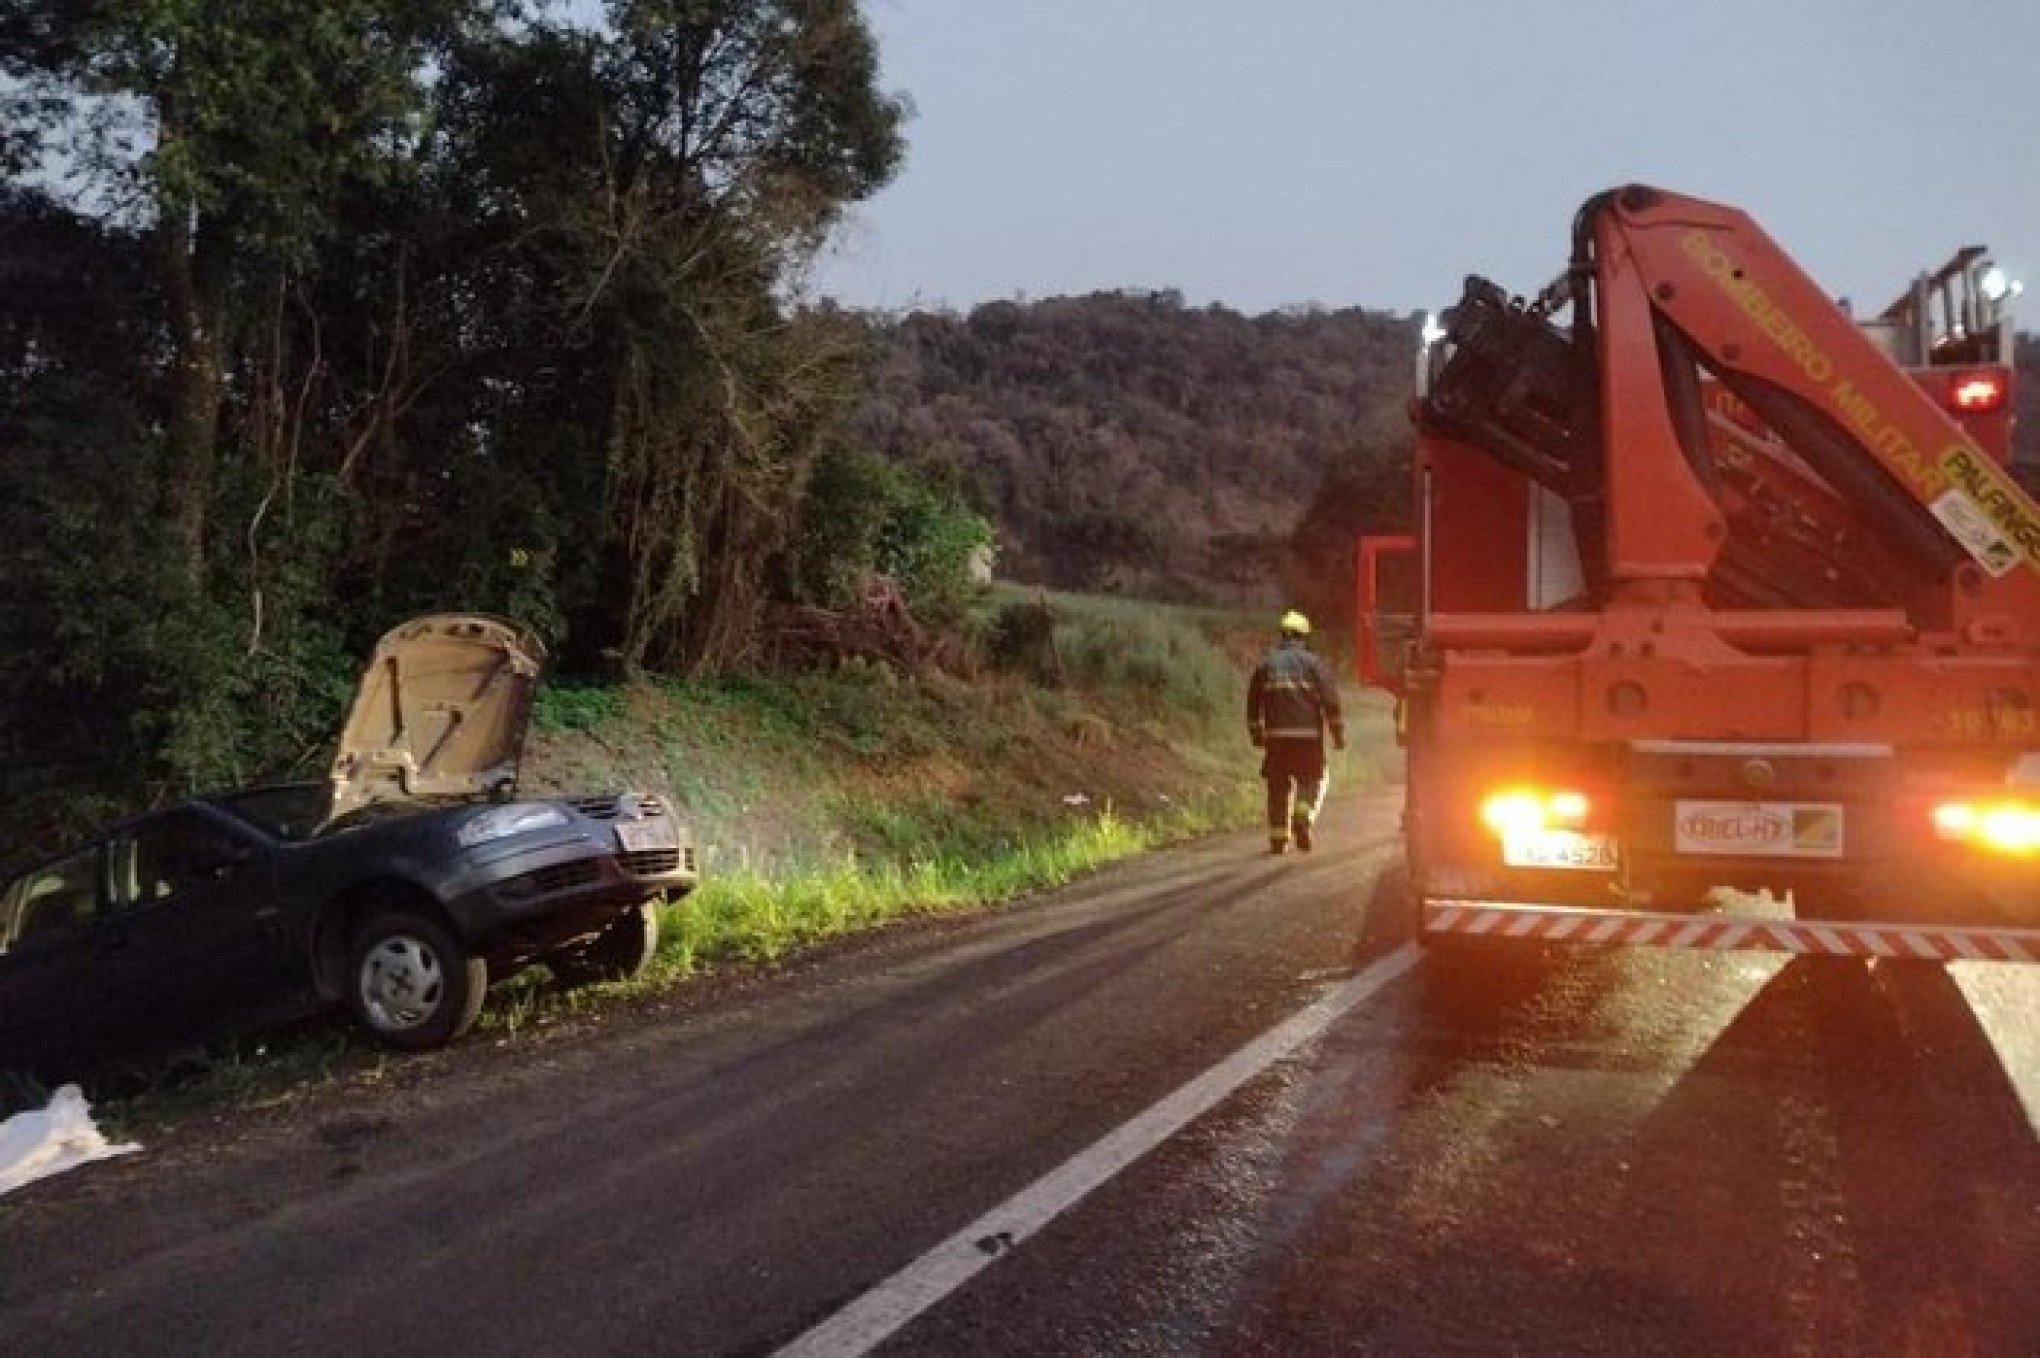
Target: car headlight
(515, 819)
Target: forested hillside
(1126, 441)
(1123, 441)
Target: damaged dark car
(399, 888)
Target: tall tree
(648, 192)
(228, 127)
(401, 304)
(739, 131)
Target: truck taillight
(1520, 810)
(2003, 826)
(1567, 808)
(1980, 393)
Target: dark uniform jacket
(1293, 696)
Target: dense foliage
(1125, 441)
(869, 516)
(315, 314)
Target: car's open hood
(441, 711)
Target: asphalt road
(1524, 1153)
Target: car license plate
(636, 836)
(1566, 849)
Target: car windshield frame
(293, 812)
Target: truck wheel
(410, 981)
(618, 953)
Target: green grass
(573, 707)
(1109, 608)
(749, 917)
(1157, 666)
(1150, 659)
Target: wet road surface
(1500, 1152)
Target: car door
(59, 1008)
(196, 931)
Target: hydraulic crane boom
(1671, 296)
(1682, 282)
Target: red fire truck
(1719, 586)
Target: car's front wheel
(618, 953)
(411, 983)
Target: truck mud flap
(1722, 933)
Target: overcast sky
(1372, 152)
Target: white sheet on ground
(46, 1141)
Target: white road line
(874, 1317)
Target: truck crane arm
(1669, 291)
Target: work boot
(1301, 827)
(1277, 845)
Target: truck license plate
(636, 836)
(1759, 829)
(1559, 849)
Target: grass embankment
(831, 801)
(828, 802)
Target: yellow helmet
(1295, 624)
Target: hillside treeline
(1125, 441)
(317, 314)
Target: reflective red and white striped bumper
(1632, 928)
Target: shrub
(850, 495)
(1159, 659)
(1021, 640)
(1159, 664)
(929, 544)
(864, 515)
(572, 707)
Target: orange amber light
(1517, 811)
(2006, 827)
(1524, 810)
(1955, 820)
(2011, 828)
(1567, 808)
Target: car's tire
(411, 983)
(618, 953)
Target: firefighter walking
(1292, 700)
